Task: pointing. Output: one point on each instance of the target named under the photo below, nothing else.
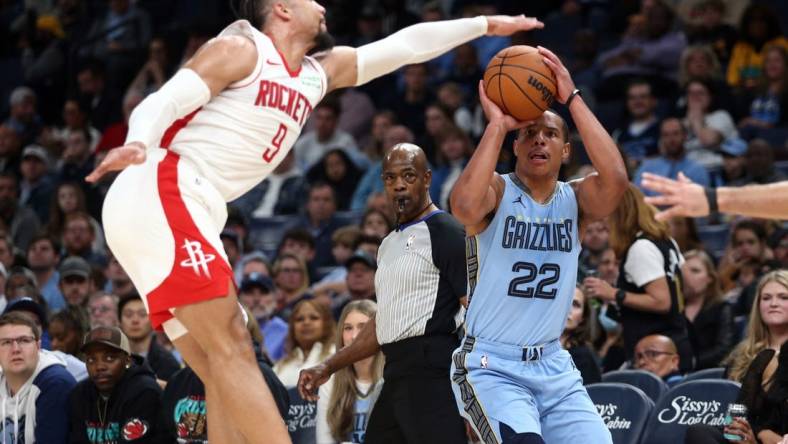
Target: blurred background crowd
(697, 86)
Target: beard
(323, 42)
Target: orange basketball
(519, 82)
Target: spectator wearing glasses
(103, 310)
(657, 354)
(292, 279)
(34, 385)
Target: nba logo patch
(484, 361)
(409, 242)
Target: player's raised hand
(565, 83)
(683, 197)
(118, 159)
(310, 379)
(494, 113)
(509, 24)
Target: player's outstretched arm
(598, 194)
(419, 43)
(687, 199)
(364, 346)
(479, 189)
(218, 63)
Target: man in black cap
(120, 401)
(360, 280)
(257, 294)
(75, 282)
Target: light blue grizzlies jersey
(522, 268)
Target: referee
(420, 285)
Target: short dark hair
(321, 184)
(74, 318)
(94, 66)
(133, 296)
(367, 239)
(330, 102)
(299, 235)
(637, 81)
(750, 225)
(46, 237)
(255, 11)
(19, 318)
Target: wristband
(576, 92)
(711, 197)
(621, 294)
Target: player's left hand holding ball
(565, 83)
(118, 159)
(509, 24)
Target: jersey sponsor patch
(134, 429)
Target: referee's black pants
(416, 404)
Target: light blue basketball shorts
(504, 389)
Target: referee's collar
(402, 227)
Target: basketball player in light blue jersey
(511, 378)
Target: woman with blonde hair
(763, 331)
(709, 314)
(760, 363)
(309, 340)
(347, 399)
(648, 298)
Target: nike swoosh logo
(271, 62)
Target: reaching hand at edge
(504, 25)
(683, 196)
(117, 159)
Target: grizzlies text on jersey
(522, 268)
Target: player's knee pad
(509, 436)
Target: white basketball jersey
(241, 135)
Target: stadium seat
(266, 233)
(624, 408)
(349, 217)
(704, 401)
(707, 373)
(651, 384)
(714, 238)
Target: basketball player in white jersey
(212, 132)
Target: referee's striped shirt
(420, 279)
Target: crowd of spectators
(699, 87)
